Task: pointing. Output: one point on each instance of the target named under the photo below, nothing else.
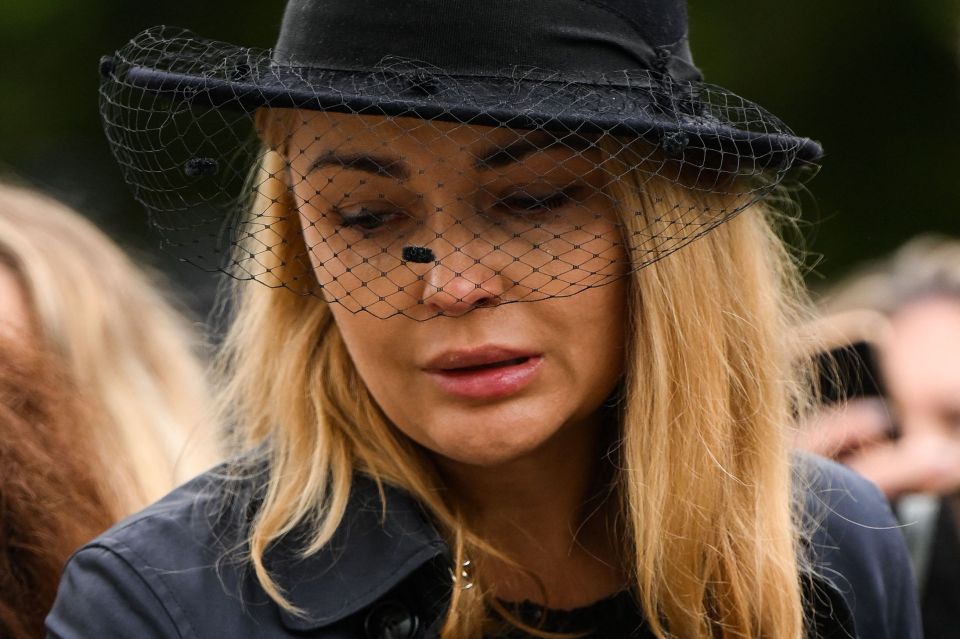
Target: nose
(466, 264)
(459, 282)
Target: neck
(549, 512)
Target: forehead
(340, 130)
(922, 354)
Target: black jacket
(174, 570)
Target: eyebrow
(498, 157)
(495, 157)
(375, 164)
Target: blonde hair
(703, 473)
(926, 266)
(128, 352)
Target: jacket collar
(381, 543)
(377, 546)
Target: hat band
(478, 38)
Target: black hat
(175, 106)
(613, 65)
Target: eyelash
(520, 204)
(366, 220)
(527, 204)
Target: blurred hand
(841, 430)
(858, 434)
(921, 463)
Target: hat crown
(490, 37)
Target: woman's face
(506, 217)
(920, 367)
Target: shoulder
(162, 572)
(848, 520)
(855, 545)
(179, 569)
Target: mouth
(516, 361)
(484, 373)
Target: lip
(483, 373)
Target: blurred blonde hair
(859, 307)
(926, 266)
(129, 353)
(703, 474)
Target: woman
(73, 295)
(423, 455)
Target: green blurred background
(875, 82)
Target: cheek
(380, 351)
(343, 277)
(598, 338)
(356, 274)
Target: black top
(941, 592)
(173, 570)
(615, 616)
(620, 615)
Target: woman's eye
(366, 219)
(531, 202)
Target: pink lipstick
(487, 372)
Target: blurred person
(908, 308)
(68, 291)
(54, 495)
(905, 434)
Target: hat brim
(680, 158)
(705, 124)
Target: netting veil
(406, 190)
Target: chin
(485, 458)
(487, 446)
